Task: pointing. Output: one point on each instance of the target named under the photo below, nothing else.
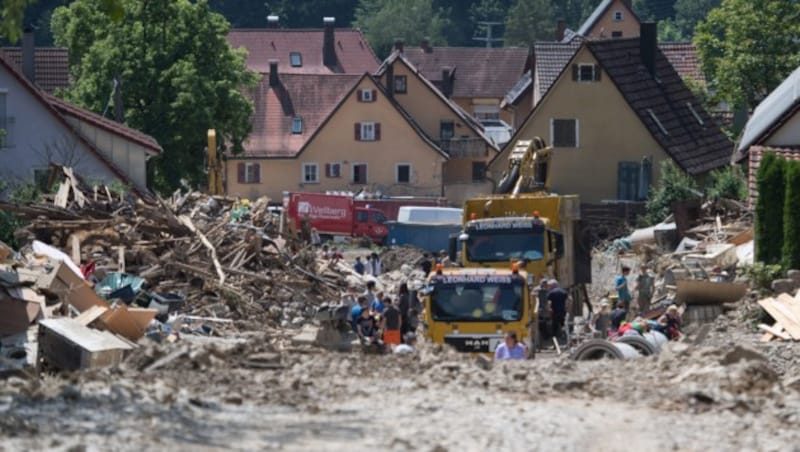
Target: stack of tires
(625, 347)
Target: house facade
(41, 130)
(615, 112)
(611, 19)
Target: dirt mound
(395, 257)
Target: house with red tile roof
(326, 50)
(391, 132)
(614, 112)
(48, 67)
(475, 78)
(41, 130)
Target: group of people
(429, 262)
(383, 322)
(371, 265)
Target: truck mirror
(452, 247)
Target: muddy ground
(264, 392)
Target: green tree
(179, 76)
(529, 21)
(13, 12)
(668, 31)
(791, 217)
(308, 13)
(656, 10)
(673, 185)
(748, 47)
(412, 20)
(728, 183)
(770, 181)
(689, 13)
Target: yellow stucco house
(611, 19)
(616, 111)
(391, 132)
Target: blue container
(429, 237)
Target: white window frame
(247, 172)
(303, 173)
(397, 172)
(397, 78)
(299, 56)
(353, 172)
(577, 133)
(366, 95)
(368, 125)
(339, 165)
(618, 16)
(296, 120)
(580, 72)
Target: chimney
(28, 49)
(647, 46)
(398, 45)
(389, 81)
(426, 45)
(561, 27)
(447, 82)
(272, 21)
(274, 80)
(328, 47)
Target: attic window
(658, 123)
(297, 126)
(617, 16)
(295, 59)
(400, 84)
(694, 113)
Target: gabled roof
(45, 99)
(550, 58)
(779, 106)
(518, 90)
(683, 57)
(469, 120)
(479, 72)
(106, 124)
(669, 110)
(353, 53)
(598, 13)
(310, 97)
(51, 65)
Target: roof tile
(51, 65)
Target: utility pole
(488, 38)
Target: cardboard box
(65, 344)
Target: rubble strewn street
(226, 357)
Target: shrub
(791, 217)
(728, 183)
(673, 185)
(769, 221)
(760, 275)
(9, 222)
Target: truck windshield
(477, 302)
(502, 246)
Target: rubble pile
(92, 257)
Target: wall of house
(788, 134)
(38, 138)
(335, 143)
(129, 157)
(609, 132)
(629, 26)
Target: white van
(430, 215)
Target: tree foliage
(306, 13)
(655, 10)
(179, 77)
(689, 13)
(673, 185)
(385, 20)
(770, 181)
(747, 47)
(529, 21)
(791, 217)
(728, 183)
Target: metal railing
(465, 147)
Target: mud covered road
(271, 394)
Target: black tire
(642, 345)
(595, 349)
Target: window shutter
(597, 72)
(358, 131)
(374, 94)
(575, 70)
(241, 170)
(377, 131)
(258, 173)
(328, 170)
(360, 95)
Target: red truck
(344, 215)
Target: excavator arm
(528, 168)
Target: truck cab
(472, 309)
(369, 222)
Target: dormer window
(297, 126)
(295, 59)
(617, 16)
(400, 84)
(586, 72)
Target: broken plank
(774, 331)
(782, 316)
(187, 222)
(90, 315)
